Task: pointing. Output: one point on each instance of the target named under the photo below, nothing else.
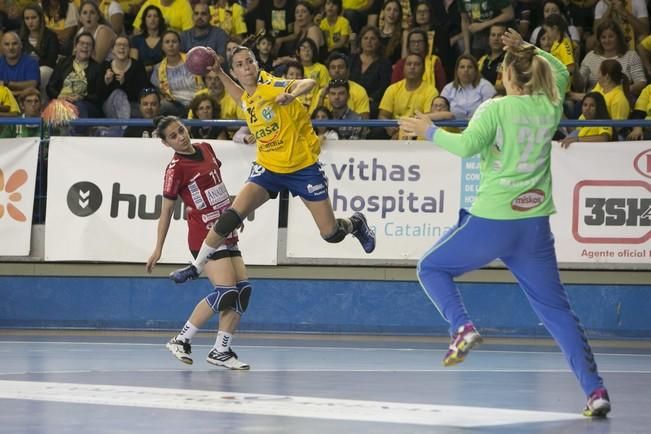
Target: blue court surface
(127, 382)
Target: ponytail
(532, 72)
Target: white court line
(325, 370)
(276, 405)
(316, 348)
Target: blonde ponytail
(532, 72)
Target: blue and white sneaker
(183, 274)
(363, 232)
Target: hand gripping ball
(199, 59)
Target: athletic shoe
(466, 338)
(186, 273)
(227, 359)
(598, 404)
(180, 349)
(363, 232)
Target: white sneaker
(180, 349)
(227, 359)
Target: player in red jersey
(194, 175)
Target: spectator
(490, 65)
(477, 16)
(434, 72)
(148, 45)
(124, 78)
(92, 21)
(550, 7)
(644, 51)
(613, 85)
(40, 42)
(337, 64)
(405, 98)
(304, 27)
(264, 52)
(228, 15)
(468, 89)
(177, 14)
(610, 44)
(324, 133)
(228, 108)
(204, 107)
(276, 17)
(307, 53)
(114, 14)
(447, 25)
(556, 28)
(582, 15)
(642, 110)
(62, 18)
(8, 105)
(593, 106)
(204, 34)
(370, 69)
(149, 108)
(18, 71)
(30, 104)
(391, 30)
(171, 77)
(79, 79)
(294, 71)
(440, 111)
(338, 94)
(357, 11)
(631, 15)
(335, 27)
(438, 39)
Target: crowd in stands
(370, 59)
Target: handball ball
(200, 58)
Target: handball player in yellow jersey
(287, 158)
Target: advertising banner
(409, 192)
(104, 201)
(602, 193)
(18, 162)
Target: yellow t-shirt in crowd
(563, 51)
(616, 102)
(357, 99)
(227, 107)
(400, 102)
(230, 19)
(178, 15)
(595, 131)
(7, 99)
(354, 4)
(333, 33)
(646, 43)
(643, 102)
(286, 141)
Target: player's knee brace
(222, 298)
(338, 234)
(227, 223)
(244, 290)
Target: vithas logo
(84, 198)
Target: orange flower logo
(15, 181)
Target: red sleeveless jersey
(198, 180)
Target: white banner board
(104, 200)
(409, 192)
(18, 163)
(602, 193)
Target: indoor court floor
(127, 382)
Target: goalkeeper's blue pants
(526, 246)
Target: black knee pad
(222, 298)
(227, 223)
(338, 234)
(244, 290)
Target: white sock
(187, 332)
(223, 341)
(202, 256)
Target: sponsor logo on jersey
(270, 130)
(217, 194)
(528, 200)
(315, 188)
(267, 113)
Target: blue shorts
(309, 183)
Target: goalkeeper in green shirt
(509, 219)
